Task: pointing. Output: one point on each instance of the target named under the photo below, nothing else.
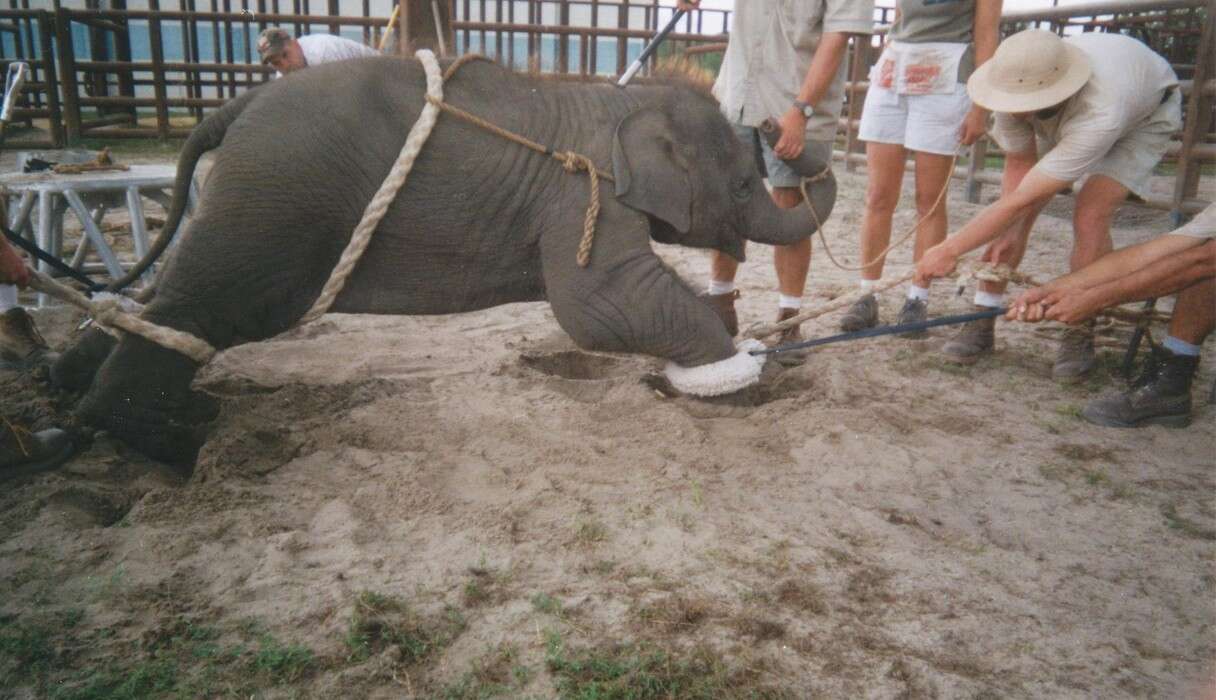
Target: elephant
(481, 221)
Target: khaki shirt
(769, 53)
(1122, 97)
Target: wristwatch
(803, 107)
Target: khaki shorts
(1131, 160)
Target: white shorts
(925, 123)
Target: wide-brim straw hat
(1031, 70)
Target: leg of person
(884, 126)
(21, 345)
(978, 338)
(884, 179)
(1162, 395)
(932, 178)
(793, 263)
(721, 293)
(1096, 204)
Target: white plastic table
(55, 194)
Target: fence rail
(87, 81)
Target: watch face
(807, 111)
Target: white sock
(992, 301)
(719, 287)
(918, 293)
(784, 302)
(8, 297)
(867, 286)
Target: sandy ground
(469, 506)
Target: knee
(926, 197)
(881, 199)
(1090, 226)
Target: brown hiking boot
(21, 345)
(793, 334)
(861, 315)
(724, 306)
(974, 340)
(1160, 396)
(1075, 356)
(23, 453)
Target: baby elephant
(480, 221)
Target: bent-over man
(285, 53)
(1096, 106)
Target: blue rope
(885, 330)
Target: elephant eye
(741, 188)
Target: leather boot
(1160, 396)
(21, 345)
(793, 334)
(974, 340)
(724, 306)
(23, 453)
(1075, 356)
(861, 315)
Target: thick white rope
(388, 191)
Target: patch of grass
(589, 532)
(1095, 477)
(802, 595)
(675, 614)
(281, 663)
(649, 672)
(1069, 410)
(379, 622)
(1186, 526)
(498, 674)
(753, 623)
(547, 604)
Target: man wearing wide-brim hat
(1096, 106)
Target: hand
(1031, 305)
(1077, 306)
(938, 261)
(687, 5)
(975, 124)
(12, 267)
(793, 135)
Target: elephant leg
(76, 366)
(141, 394)
(627, 300)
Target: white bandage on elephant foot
(736, 372)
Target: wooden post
(622, 44)
(122, 52)
(417, 23)
(158, 70)
(67, 74)
(857, 68)
(45, 20)
(975, 165)
(1198, 117)
(563, 40)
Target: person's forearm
(1120, 265)
(824, 65)
(1165, 276)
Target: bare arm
(824, 65)
(12, 267)
(987, 34)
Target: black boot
(1160, 396)
(23, 453)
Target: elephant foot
(142, 396)
(736, 372)
(75, 368)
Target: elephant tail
(206, 136)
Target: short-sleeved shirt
(769, 53)
(1127, 87)
(938, 21)
(1202, 226)
(327, 48)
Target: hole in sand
(572, 364)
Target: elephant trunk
(776, 226)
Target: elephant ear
(650, 176)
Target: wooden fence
(89, 81)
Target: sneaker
(1075, 357)
(914, 311)
(974, 340)
(23, 453)
(861, 315)
(724, 306)
(1161, 395)
(21, 345)
(793, 334)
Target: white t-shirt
(327, 48)
(1128, 83)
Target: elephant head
(680, 162)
